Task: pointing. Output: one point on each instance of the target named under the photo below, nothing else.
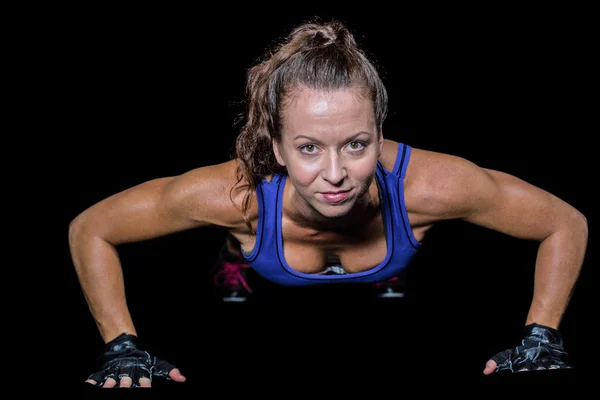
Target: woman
(316, 195)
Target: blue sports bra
(267, 257)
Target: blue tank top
(267, 257)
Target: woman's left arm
(505, 203)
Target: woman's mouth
(335, 197)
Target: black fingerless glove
(122, 358)
(541, 348)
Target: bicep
(198, 198)
(508, 204)
(150, 209)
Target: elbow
(80, 226)
(76, 226)
(582, 224)
(577, 225)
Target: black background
(135, 94)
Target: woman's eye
(356, 146)
(308, 148)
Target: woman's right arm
(151, 209)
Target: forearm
(99, 272)
(559, 261)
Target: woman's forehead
(320, 103)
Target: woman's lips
(334, 197)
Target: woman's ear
(277, 153)
(381, 140)
(278, 157)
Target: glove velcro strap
(542, 334)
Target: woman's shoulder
(214, 193)
(419, 159)
(436, 166)
(440, 183)
(209, 179)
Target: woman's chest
(312, 251)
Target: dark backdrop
(152, 92)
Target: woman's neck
(300, 212)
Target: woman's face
(330, 146)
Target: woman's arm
(502, 202)
(448, 187)
(151, 209)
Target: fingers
(176, 375)
(490, 367)
(110, 383)
(145, 382)
(126, 382)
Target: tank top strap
(401, 164)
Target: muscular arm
(456, 188)
(523, 210)
(151, 209)
(519, 209)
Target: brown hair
(316, 54)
